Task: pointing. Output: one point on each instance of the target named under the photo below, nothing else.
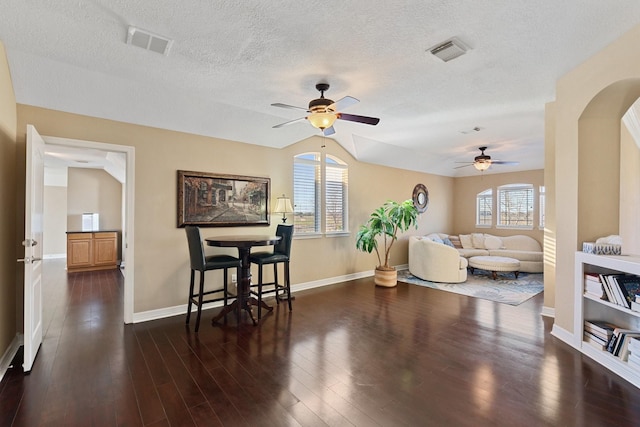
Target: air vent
(475, 129)
(148, 41)
(451, 49)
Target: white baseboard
(548, 312)
(54, 256)
(161, 313)
(563, 335)
(9, 354)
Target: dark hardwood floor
(349, 354)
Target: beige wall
(549, 245)
(467, 188)
(55, 220)
(590, 103)
(629, 192)
(93, 190)
(9, 234)
(161, 269)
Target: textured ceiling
(230, 60)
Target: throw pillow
(456, 241)
(492, 242)
(447, 242)
(465, 241)
(435, 238)
(477, 239)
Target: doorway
(127, 153)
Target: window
(306, 200)
(311, 173)
(515, 206)
(335, 195)
(541, 206)
(484, 208)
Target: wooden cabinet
(89, 251)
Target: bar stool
(202, 263)
(280, 254)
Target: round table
(244, 301)
(495, 264)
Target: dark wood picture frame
(219, 200)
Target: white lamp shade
(283, 205)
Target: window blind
(515, 204)
(484, 208)
(336, 183)
(306, 185)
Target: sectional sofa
(440, 257)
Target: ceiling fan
(323, 112)
(484, 162)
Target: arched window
(314, 172)
(335, 195)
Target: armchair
(436, 262)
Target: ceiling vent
(468, 131)
(451, 49)
(148, 41)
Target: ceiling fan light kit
(484, 162)
(322, 120)
(482, 165)
(323, 112)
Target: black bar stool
(202, 263)
(280, 254)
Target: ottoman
(494, 264)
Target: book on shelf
(623, 336)
(607, 288)
(623, 352)
(599, 328)
(620, 289)
(635, 306)
(615, 339)
(630, 287)
(615, 289)
(595, 341)
(634, 345)
(593, 286)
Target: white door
(34, 205)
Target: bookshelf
(588, 307)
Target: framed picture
(216, 200)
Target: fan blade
(290, 122)
(329, 131)
(463, 166)
(277, 104)
(343, 103)
(502, 162)
(359, 119)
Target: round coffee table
(495, 264)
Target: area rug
(505, 289)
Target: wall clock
(420, 198)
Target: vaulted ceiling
(228, 61)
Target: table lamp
(284, 207)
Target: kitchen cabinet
(88, 251)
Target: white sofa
(525, 249)
(436, 262)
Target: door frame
(129, 214)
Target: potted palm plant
(383, 226)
